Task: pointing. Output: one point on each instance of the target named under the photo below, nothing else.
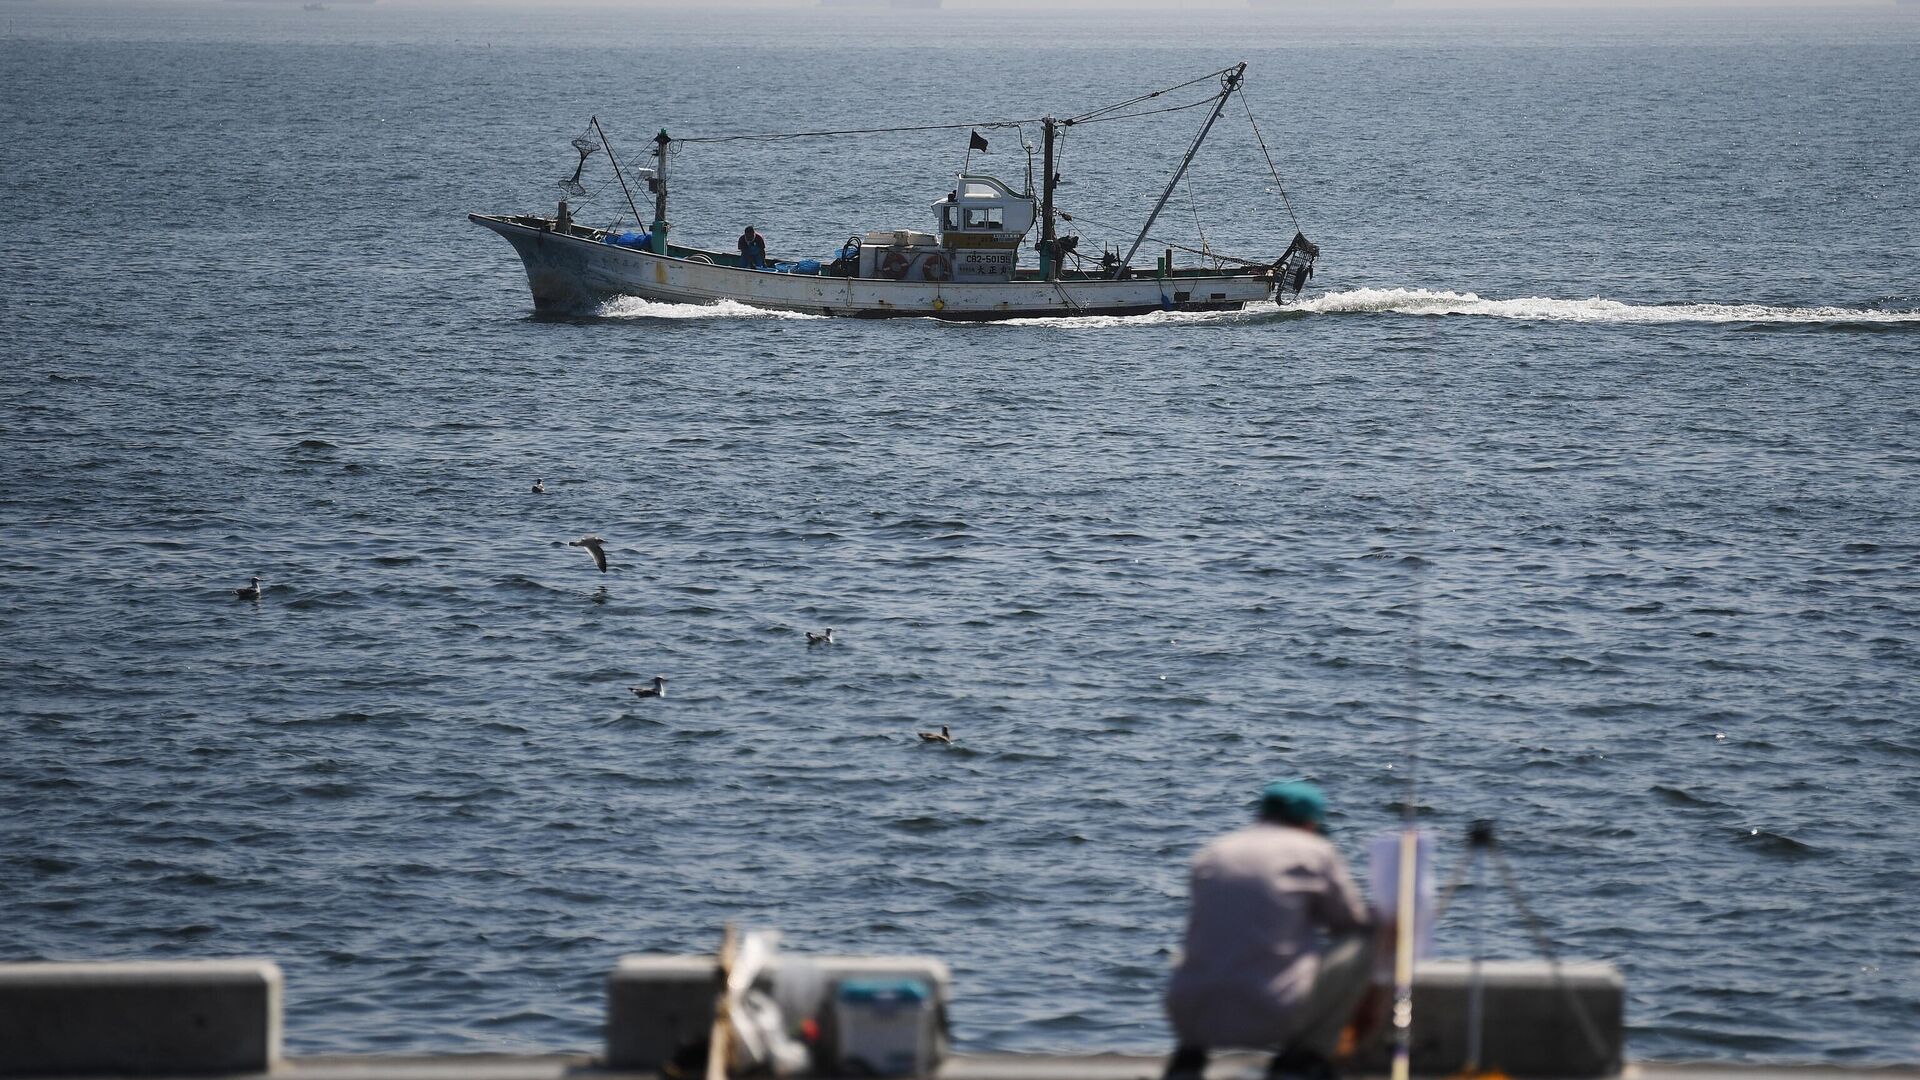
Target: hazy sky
(1276, 8)
(1281, 5)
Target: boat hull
(574, 273)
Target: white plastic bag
(760, 1039)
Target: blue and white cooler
(886, 1027)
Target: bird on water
(251, 592)
(821, 639)
(941, 736)
(658, 689)
(539, 487)
(592, 544)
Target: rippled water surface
(1601, 410)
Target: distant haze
(1263, 8)
(1274, 7)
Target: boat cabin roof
(971, 187)
(984, 205)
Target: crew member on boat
(753, 250)
(1278, 951)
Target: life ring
(937, 268)
(894, 265)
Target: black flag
(978, 142)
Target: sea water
(1578, 492)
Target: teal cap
(1295, 802)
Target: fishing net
(586, 148)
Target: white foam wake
(1151, 318)
(1596, 310)
(633, 307)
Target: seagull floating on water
(539, 487)
(592, 544)
(658, 689)
(941, 736)
(821, 639)
(251, 592)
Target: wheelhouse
(983, 212)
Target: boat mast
(1228, 84)
(660, 142)
(1049, 259)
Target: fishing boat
(968, 267)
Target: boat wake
(1089, 322)
(633, 307)
(1359, 302)
(1595, 310)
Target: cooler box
(886, 1027)
(661, 1007)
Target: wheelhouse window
(985, 217)
(953, 217)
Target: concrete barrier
(1532, 1025)
(661, 1006)
(656, 1006)
(139, 1018)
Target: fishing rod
(1406, 900)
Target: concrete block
(139, 1018)
(1531, 1027)
(658, 1006)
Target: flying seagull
(821, 639)
(592, 544)
(251, 592)
(539, 487)
(941, 736)
(658, 689)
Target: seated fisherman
(753, 250)
(1256, 972)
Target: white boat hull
(572, 272)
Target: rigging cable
(1096, 116)
(1077, 217)
(615, 162)
(1087, 117)
(1277, 182)
(1194, 205)
(1152, 112)
(769, 136)
(1061, 288)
